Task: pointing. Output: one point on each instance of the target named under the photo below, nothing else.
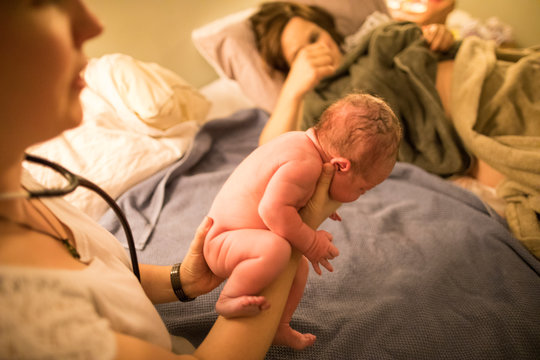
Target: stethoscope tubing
(77, 180)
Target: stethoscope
(73, 182)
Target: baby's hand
(335, 216)
(321, 251)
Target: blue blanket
(426, 270)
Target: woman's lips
(79, 83)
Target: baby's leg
(286, 335)
(251, 259)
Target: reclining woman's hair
(272, 17)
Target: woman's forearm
(285, 116)
(250, 336)
(156, 282)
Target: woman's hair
(362, 128)
(272, 17)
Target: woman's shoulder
(91, 239)
(49, 314)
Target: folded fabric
(496, 111)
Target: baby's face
(349, 186)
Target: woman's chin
(75, 116)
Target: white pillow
(227, 98)
(137, 118)
(228, 44)
(147, 97)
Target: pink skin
(256, 222)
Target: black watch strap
(177, 284)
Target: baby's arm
(287, 191)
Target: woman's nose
(85, 24)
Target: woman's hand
(438, 37)
(320, 206)
(312, 63)
(197, 278)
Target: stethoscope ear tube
(77, 180)
(122, 217)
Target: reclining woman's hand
(438, 37)
(197, 278)
(311, 64)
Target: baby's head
(361, 134)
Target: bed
(427, 269)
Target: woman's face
(299, 33)
(41, 60)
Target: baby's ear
(341, 164)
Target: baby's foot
(287, 336)
(241, 306)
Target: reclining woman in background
(467, 108)
(302, 42)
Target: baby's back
(236, 204)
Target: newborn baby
(255, 214)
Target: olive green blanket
(394, 63)
(496, 111)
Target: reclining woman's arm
(310, 65)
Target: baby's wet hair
(361, 127)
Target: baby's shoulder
(297, 141)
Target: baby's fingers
(333, 252)
(316, 267)
(335, 216)
(327, 265)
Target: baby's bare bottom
(251, 259)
